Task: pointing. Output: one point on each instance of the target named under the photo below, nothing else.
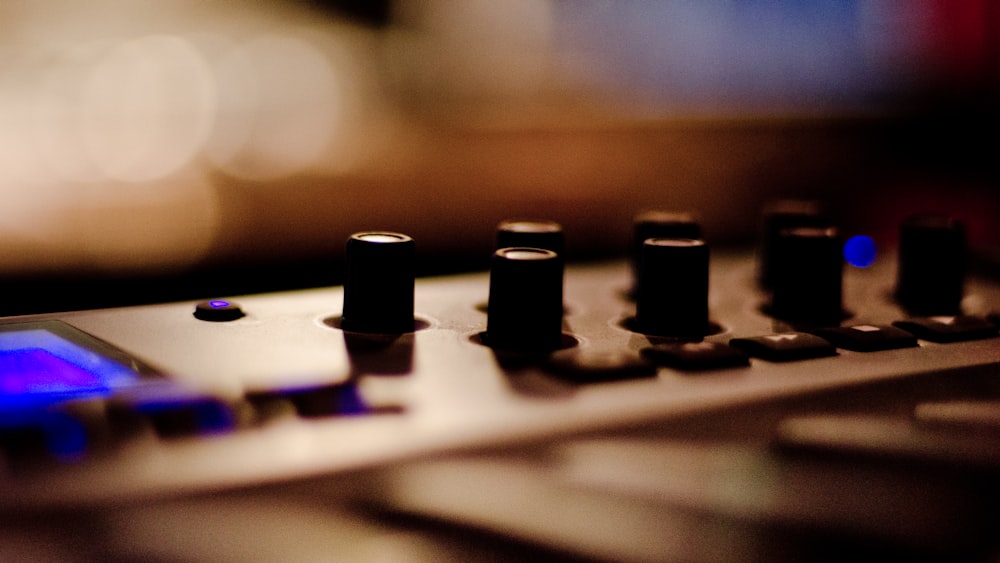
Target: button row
(866, 338)
(70, 431)
(587, 366)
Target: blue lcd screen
(50, 362)
(45, 363)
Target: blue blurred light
(66, 437)
(39, 368)
(191, 410)
(62, 435)
(44, 364)
(218, 304)
(859, 251)
(348, 400)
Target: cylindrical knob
(379, 282)
(672, 292)
(531, 234)
(525, 304)
(659, 224)
(931, 271)
(779, 216)
(807, 282)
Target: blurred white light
(280, 103)
(148, 108)
(239, 102)
(56, 116)
(19, 162)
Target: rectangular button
(696, 356)
(948, 329)
(867, 338)
(786, 346)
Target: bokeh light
(859, 251)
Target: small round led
(218, 310)
(859, 251)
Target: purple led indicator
(218, 310)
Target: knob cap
(659, 224)
(807, 282)
(931, 269)
(672, 291)
(531, 234)
(379, 282)
(525, 304)
(779, 216)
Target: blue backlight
(201, 413)
(33, 370)
(859, 251)
(44, 364)
(348, 400)
(39, 367)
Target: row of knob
(525, 307)
(801, 261)
(800, 265)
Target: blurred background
(153, 150)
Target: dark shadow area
(520, 369)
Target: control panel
(155, 401)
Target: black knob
(531, 234)
(807, 280)
(779, 216)
(672, 291)
(931, 270)
(659, 224)
(525, 304)
(379, 282)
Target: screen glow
(39, 367)
(43, 364)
